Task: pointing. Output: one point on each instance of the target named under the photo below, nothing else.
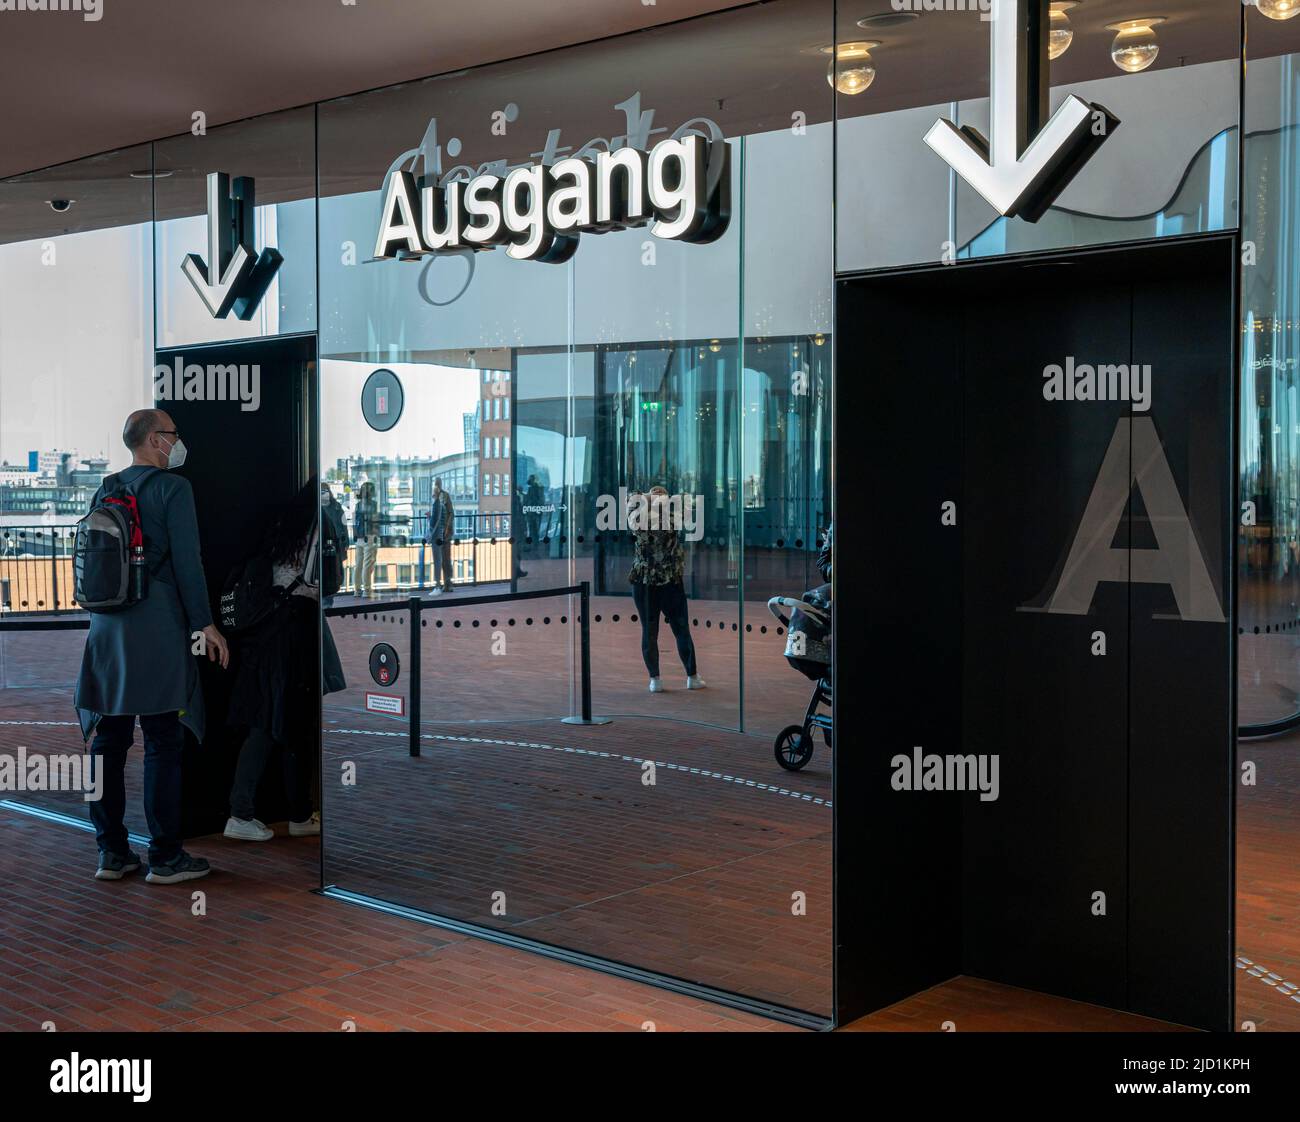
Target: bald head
(140, 424)
(149, 433)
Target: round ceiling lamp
(1278, 9)
(1059, 32)
(1135, 47)
(851, 70)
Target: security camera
(60, 205)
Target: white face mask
(176, 457)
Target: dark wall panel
(1036, 696)
(242, 465)
(1183, 670)
(1103, 869)
(897, 647)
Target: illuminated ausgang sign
(538, 211)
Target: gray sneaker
(182, 868)
(113, 866)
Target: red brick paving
(691, 877)
(1268, 881)
(975, 1005)
(271, 955)
(694, 876)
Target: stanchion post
(586, 651)
(584, 660)
(413, 687)
(54, 570)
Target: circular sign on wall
(382, 400)
(384, 667)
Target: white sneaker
(247, 829)
(435, 592)
(308, 829)
(656, 685)
(694, 682)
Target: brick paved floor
(270, 955)
(1268, 885)
(974, 1005)
(692, 876)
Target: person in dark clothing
(138, 662)
(442, 532)
(824, 554)
(332, 512)
(657, 585)
(276, 676)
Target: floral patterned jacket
(658, 558)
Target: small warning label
(386, 703)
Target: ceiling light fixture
(886, 19)
(1135, 47)
(1059, 33)
(851, 70)
(1278, 9)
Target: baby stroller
(808, 650)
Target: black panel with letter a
(1042, 558)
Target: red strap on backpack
(133, 514)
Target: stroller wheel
(794, 748)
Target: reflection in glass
(547, 396)
(1268, 543)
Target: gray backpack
(108, 566)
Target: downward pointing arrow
(1027, 164)
(232, 277)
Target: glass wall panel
(1268, 547)
(1170, 166)
(553, 395)
(76, 354)
(278, 152)
(785, 432)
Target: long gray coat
(138, 661)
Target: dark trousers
(164, 740)
(668, 600)
(253, 758)
(442, 562)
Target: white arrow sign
(234, 277)
(1027, 163)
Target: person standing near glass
(658, 587)
(442, 530)
(332, 513)
(365, 528)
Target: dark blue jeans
(164, 740)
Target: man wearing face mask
(138, 662)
